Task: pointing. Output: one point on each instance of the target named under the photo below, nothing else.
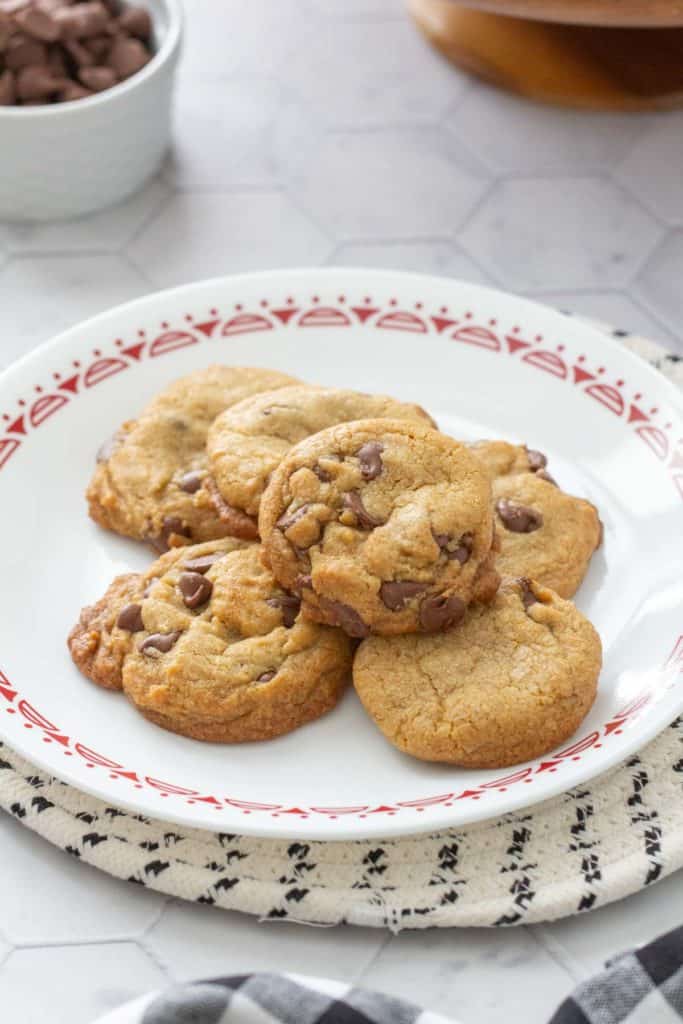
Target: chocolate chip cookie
(504, 459)
(149, 482)
(382, 526)
(248, 441)
(207, 644)
(512, 682)
(542, 531)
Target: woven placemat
(592, 845)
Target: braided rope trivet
(592, 845)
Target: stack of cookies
(310, 531)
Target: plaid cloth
(271, 999)
(641, 987)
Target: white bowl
(66, 159)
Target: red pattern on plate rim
(291, 316)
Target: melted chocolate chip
(195, 588)
(354, 503)
(107, 448)
(202, 563)
(170, 526)
(265, 677)
(526, 592)
(455, 550)
(518, 518)
(161, 642)
(396, 593)
(289, 605)
(190, 482)
(130, 618)
(321, 473)
(537, 460)
(440, 612)
(543, 474)
(370, 459)
(346, 618)
(290, 518)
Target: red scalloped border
(292, 314)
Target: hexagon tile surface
(204, 235)
(58, 910)
(326, 132)
(388, 184)
(74, 984)
(538, 233)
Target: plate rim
(660, 716)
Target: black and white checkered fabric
(641, 987)
(279, 999)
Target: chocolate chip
(98, 48)
(303, 581)
(195, 588)
(290, 518)
(82, 20)
(190, 482)
(354, 503)
(321, 474)
(21, 52)
(395, 593)
(7, 89)
(161, 642)
(36, 82)
(439, 612)
(97, 78)
(37, 24)
(73, 91)
(370, 460)
(455, 550)
(127, 56)
(518, 518)
(107, 449)
(137, 22)
(346, 618)
(537, 460)
(525, 591)
(203, 562)
(289, 605)
(173, 525)
(80, 55)
(265, 677)
(130, 618)
(543, 474)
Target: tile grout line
(546, 941)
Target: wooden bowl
(612, 13)
(594, 54)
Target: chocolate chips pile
(55, 51)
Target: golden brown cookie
(149, 480)
(504, 459)
(513, 681)
(249, 440)
(206, 644)
(542, 531)
(382, 526)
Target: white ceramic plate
(484, 364)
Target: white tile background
(326, 132)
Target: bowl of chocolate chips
(85, 101)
